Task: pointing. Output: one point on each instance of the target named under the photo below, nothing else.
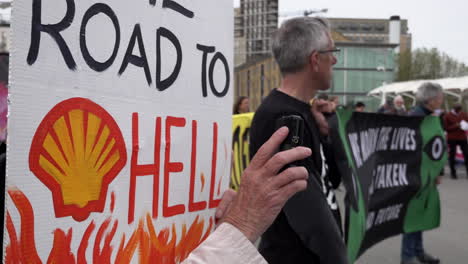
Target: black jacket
(306, 230)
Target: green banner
(389, 165)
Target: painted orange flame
(152, 247)
(77, 150)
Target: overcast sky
(432, 23)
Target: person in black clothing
(360, 107)
(308, 228)
(387, 108)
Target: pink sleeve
(226, 245)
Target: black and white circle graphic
(435, 149)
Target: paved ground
(449, 242)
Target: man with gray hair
(308, 229)
(429, 98)
(399, 105)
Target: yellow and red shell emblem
(77, 151)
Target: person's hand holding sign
(318, 107)
(264, 190)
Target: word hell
(137, 170)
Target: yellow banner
(240, 146)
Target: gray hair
(428, 91)
(296, 39)
(398, 98)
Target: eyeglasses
(334, 50)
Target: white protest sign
(119, 128)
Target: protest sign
(389, 165)
(119, 129)
(240, 146)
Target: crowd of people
(306, 222)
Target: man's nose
(335, 60)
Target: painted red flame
(151, 247)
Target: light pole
(381, 68)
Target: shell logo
(77, 151)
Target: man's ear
(314, 61)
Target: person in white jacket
(245, 215)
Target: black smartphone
(295, 123)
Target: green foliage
(426, 63)
(404, 66)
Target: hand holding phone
(295, 124)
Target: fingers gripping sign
(225, 203)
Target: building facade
(373, 30)
(256, 79)
(360, 68)
(255, 22)
(367, 60)
(240, 49)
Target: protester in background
(246, 215)
(456, 136)
(307, 230)
(429, 97)
(360, 107)
(241, 106)
(399, 106)
(387, 108)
